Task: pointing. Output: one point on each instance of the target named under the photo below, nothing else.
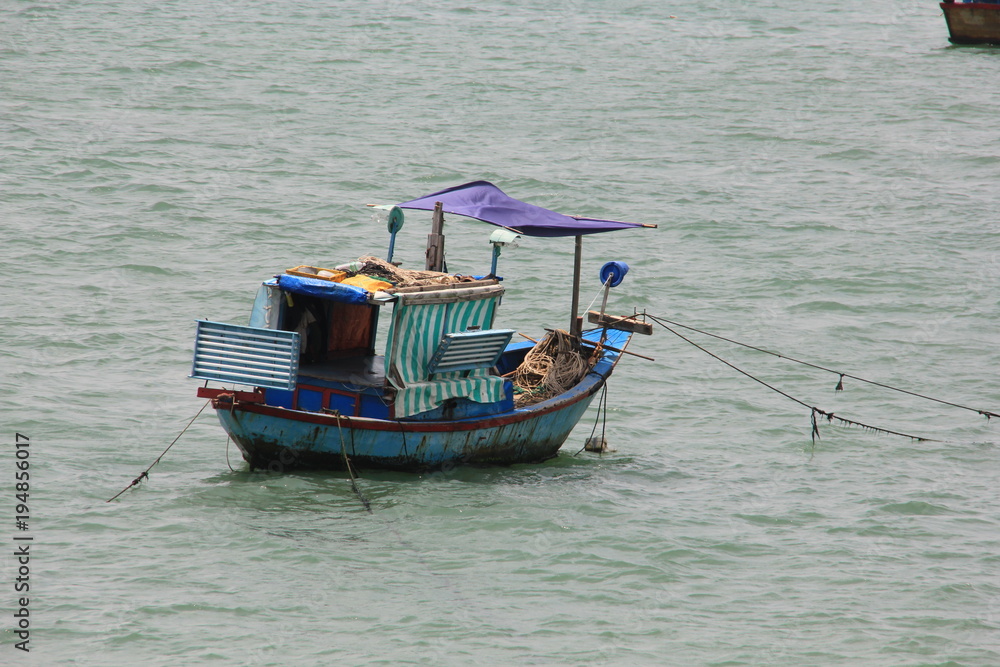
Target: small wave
(155, 187)
(75, 175)
(915, 508)
(851, 154)
(185, 64)
(147, 268)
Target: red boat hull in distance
(972, 22)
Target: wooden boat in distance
(972, 22)
(311, 389)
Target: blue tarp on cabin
(324, 289)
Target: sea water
(824, 181)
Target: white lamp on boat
(499, 239)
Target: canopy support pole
(575, 325)
(435, 241)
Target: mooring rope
(350, 471)
(402, 431)
(601, 403)
(599, 292)
(840, 384)
(812, 408)
(229, 438)
(145, 473)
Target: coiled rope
(549, 368)
(814, 411)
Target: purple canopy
(484, 201)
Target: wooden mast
(435, 240)
(575, 324)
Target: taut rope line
(840, 384)
(145, 473)
(813, 409)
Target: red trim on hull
(241, 396)
(363, 423)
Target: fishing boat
(307, 385)
(973, 22)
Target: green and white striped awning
(420, 321)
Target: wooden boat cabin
(311, 345)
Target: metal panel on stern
(246, 355)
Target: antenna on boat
(435, 240)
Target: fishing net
(551, 367)
(379, 268)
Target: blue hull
(279, 439)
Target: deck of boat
(360, 371)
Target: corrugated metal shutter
(469, 350)
(246, 355)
